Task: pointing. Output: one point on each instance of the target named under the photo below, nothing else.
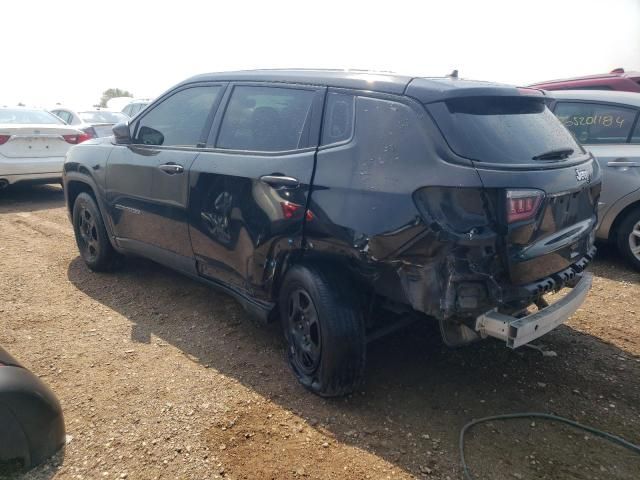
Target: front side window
(266, 119)
(338, 118)
(179, 119)
(593, 123)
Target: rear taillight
(4, 139)
(91, 132)
(523, 204)
(289, 210)
(75, 139)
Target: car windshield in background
(102, 117)
(503, 129)
(24, 116)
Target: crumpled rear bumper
(520, 331)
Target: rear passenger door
(606, 130)
(249, 188)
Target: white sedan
(97, 123)
(33, 144)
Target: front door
(147, 182)
(249, 189)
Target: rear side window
(266, 119)
(338, 118)
(66, 116)
(179, 119)
(502, 129)
(593, 123)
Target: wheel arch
(613, 230)
(77, 183)
(320, 260)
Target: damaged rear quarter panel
(380, 200)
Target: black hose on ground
(607, 436)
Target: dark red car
(618, 79)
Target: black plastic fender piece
(31, 420)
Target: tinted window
(11, 115)
(179, 119)
(593, 123)
(502, 129)
(266, 119)
(635, 137)
(338, 118)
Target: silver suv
(608, 124)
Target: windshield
(503, 129)
(101, 116)
(20, 115)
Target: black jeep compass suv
(341, 203)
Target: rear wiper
(558, 154)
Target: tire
(628, 238)
(91, 236)
(325, 330)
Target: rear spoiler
(427, 90)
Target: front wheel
(91, 235)
(324, 329)
(629, 237)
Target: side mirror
(122, 133)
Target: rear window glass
(502, 129)
(594, 124)
(266, 119)
(102, 117)
(11, 115)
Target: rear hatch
(542, 187)
(36, 141)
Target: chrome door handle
(623, 162)
(171, 168)
(277, 181)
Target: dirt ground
(162, 377)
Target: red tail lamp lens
(289, 210)
(4, 139)
(523, 204)
(76, 139)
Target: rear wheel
(629, 237)
(91, 236)
(324, 329)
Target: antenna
(454, 74)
